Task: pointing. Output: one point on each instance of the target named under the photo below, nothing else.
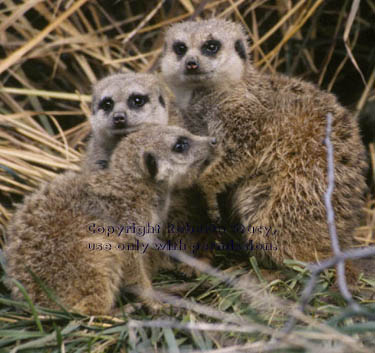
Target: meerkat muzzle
(119, 120)
(192, 65)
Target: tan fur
(49, 234)
(104, 139)
(119, 88)
(221, 70)
(271, 128)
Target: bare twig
(353, 12)
(143, 22)
(17, 55)
(340, 267)
(339, 257)
(199, 9)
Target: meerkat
(120, 103)
(53, 233)
(273, 169)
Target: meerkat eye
(136, 101)
(182, 145)
(211, 47)
(106, 104)
(179, 48)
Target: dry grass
(51, 52)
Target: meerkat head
(205, 53)
(124, 101)
(169, 155)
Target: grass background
(51, 52)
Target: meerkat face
(178, 157)
(204, 53)
(168, 154)
(124, 101)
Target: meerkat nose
(119, 118)
(192, 65)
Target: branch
(339, 257)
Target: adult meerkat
(120, 103)
(271, 129)
(50, 233)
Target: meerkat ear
(151, 164)
(240, 49)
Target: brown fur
(49, 234)
(104, 138)
(271, 128)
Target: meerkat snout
(119, 120)
(192, 65)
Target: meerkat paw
(155, 307)
(215, 217)
(186, 270)
(213, 208)
(126, 309)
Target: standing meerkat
(271, 129)
(53, 232)
(120, 103)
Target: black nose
(213, 141)
(119, 118)
(192, 65)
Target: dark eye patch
(106, 104)
(162, 101)
(182, 145)
(240, 49)
(136, 101)
(211, 47)
(179, 48)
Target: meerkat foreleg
(211, 188)
(145, 288)
(212, 183)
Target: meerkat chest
(201, 116)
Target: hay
(52, 52)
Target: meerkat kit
(49, 233)
(271, 128)
(122, 103)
